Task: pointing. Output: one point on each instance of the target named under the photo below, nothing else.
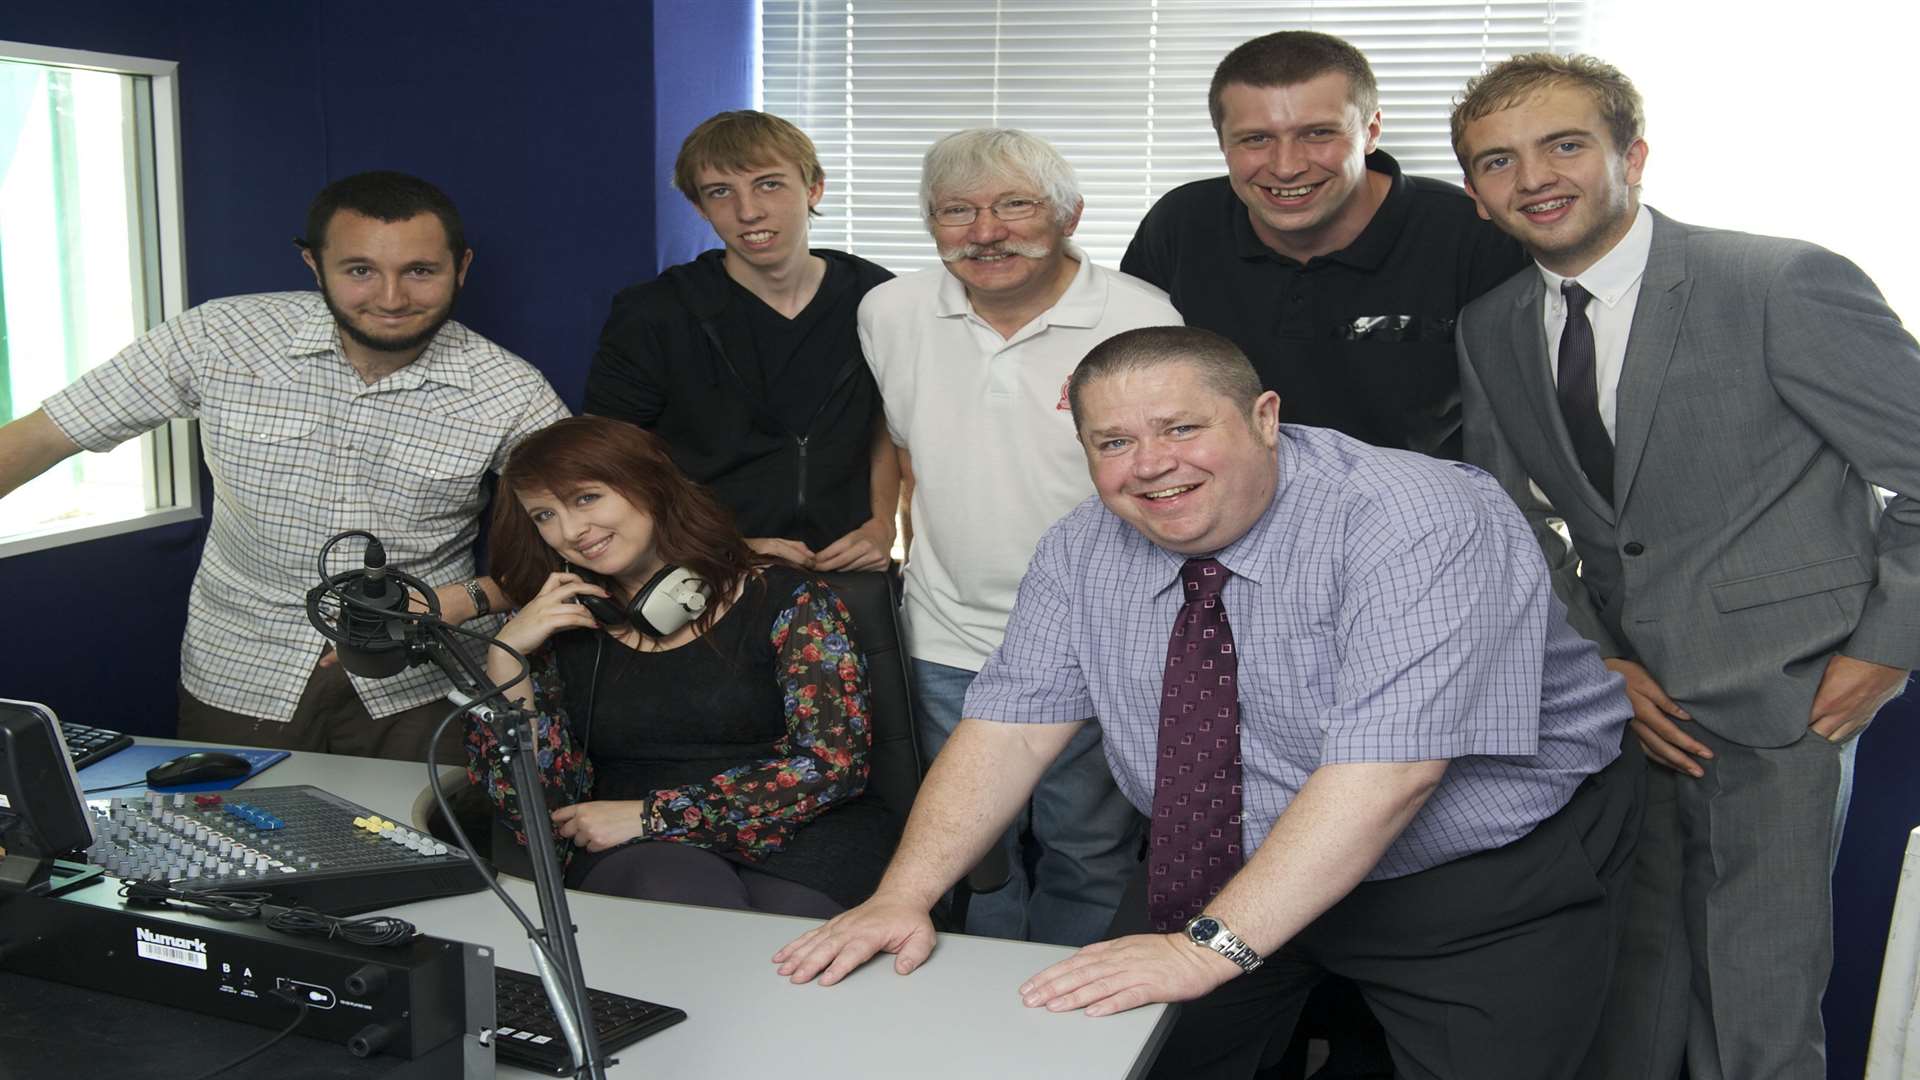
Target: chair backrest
(893, 773)
(893, 765)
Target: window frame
(170, 454)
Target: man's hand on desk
(1110, 977)
(834, 948)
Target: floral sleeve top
(751, 809)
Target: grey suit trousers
(1730, 931)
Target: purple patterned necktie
(1195, 833)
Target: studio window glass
(90, 258)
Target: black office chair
(895, 765)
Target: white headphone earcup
(675, 597)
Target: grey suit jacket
(1766, 389)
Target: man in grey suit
(1708, 413)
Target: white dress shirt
(1614, 282)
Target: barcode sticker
(170, 955)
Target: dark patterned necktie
(1579, 391)
(1195, 832)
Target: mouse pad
(125, 772)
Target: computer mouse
(198, 768)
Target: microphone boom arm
(425, 637)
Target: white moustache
(1034, 249)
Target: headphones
(672, 598)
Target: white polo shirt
(995, 460)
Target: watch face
(1203, 929)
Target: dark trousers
(1491, 966)
(684, 874)
(330, 719)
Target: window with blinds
(1120, 86)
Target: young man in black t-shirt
(746, 360)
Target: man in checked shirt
(359, 406)
(1338, 681)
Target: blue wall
(692, 83)
(1886, 806)
(106, 648)
(554, 126)
(539, 120)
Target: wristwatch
(1206, 931)
(481, 603)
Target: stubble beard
(407, 343)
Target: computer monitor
(43, 814)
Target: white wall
(1792, 119)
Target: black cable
(279, 994)
(577, 992)
(231, 906)
(381, 930)
(485, 695)
(593, 689)
(214, 904)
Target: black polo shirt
(1360, 340)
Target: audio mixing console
(301, 845)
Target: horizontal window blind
(1119, 86)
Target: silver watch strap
(1229, 945)
(481, 603)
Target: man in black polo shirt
(1338, 275)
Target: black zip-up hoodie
(677, 357)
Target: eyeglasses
(1017, 208)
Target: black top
(788, 352)
(682, 718)
(1361, 340)
(784, 444)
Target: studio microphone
(373, 639)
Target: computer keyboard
(525, 1033)
(86, 745)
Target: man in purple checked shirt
(1336, 679)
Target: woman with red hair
(719, 762)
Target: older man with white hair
(972, 359)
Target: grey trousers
(1730, 928)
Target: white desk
(958, 1016)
